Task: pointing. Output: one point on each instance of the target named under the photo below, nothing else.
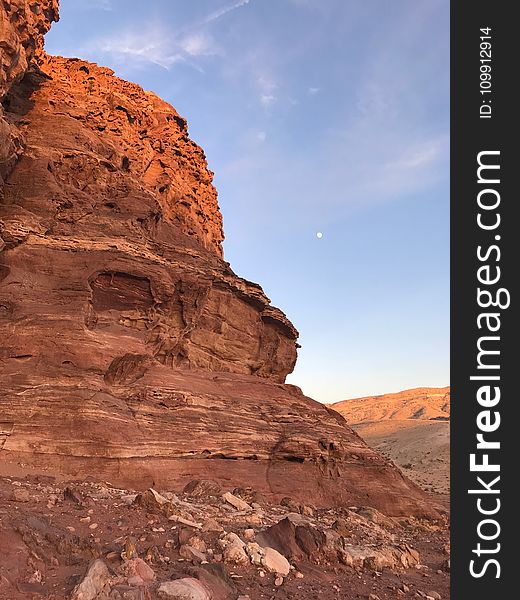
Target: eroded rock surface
(130, 350)
(22, 27)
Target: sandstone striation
(130, 349)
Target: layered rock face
(130, 350)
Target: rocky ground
(86, 540)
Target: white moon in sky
(319, 235)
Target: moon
(319, 235)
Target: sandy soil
(410, 427)
(420, 448)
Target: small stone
(190, 553)
(36, 577)
(275, 562)
(212, 526)
(95, 579)
(188, 522)
(85, 519)
(254, 519)
(235, 554)
(186, 588)
(405, 588)
(249, 534)
(21, 495)
(202, 488)
(255, 553)
(290, 504)
(298, 575)
(135, 581)
(231, 538)
(435, 595)
(236, 502)
(130, 550)
(138, 567)
(341, 526)
(278, 581)
(93, 526)
(129, 498)
(198, 543)
(72, 496)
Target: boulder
(94, 581)
(186, 588)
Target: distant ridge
(411, 427)
(423, 403)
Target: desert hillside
(410, 427)
(418, 403)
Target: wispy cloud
(148, 46)
(267, 88)
(154, 44)
(420, 156)
(219, 13)
(198, 43)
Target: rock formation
(22, 27)
(130, 350)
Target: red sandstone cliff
(130, 350)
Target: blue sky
(324, 116)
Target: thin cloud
(267, 88)
(224, 11)
(419, 157)
(137, 46)
(198, 44)
(160, 47)
(267, 99)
